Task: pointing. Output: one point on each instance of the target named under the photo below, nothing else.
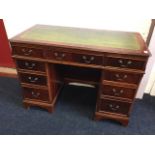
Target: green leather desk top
(81, 37)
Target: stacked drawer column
(120, 81)
(34, 77)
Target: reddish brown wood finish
(118, 92)
(35, 94)
(28, 52)
(43, 68)
(114, 106)
(125, 63)
(31, 65)
(88, 59)
(33, 79)
(122, 76)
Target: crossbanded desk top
(79, 37)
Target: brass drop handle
(59, 56)
(124, 64)
(30, 65)
(114, 107)
(27, 52)
(88, 60)
(33, 79)
(117, 92)
(121, 78)
(35, 94)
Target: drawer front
(125, 63)
(88, 59)
(58, 55)
(36, 94)
(33, 79)
(28, 52)
(31, 65)
(118, 91)
(122, 77)
(114, 106)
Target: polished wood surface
(48, 57)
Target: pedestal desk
(47, 57)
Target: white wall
(21, 14)
(151, 83)
(141, 26)
(18, 15)
(151, 69)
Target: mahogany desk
(47, 57)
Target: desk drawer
(125, 63)
(31, 65)
(88, 59)
(114, 106)
(58, 55)
(33, 79)
(117, 91)
(27, 51)
(36, 94)
(133, 78)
